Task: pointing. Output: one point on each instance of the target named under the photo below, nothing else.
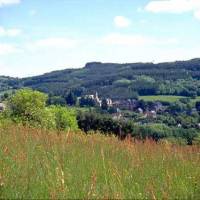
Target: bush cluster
(29, 107)
(156, 131)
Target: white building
(2, 107)
(95, 98)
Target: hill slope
(117, 80)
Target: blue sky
(38, 36)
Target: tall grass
(36, 164)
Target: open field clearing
(166, 98)
(162, 98)
(196, 99)
(36, 164)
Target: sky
(38, 36)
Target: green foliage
(87, 102)
(92, 121)
(196, 140)
(71, 99)
(112, 110)
(65, 118)
(188, 134)
(197, 105)
(56, 100)
(177, 107)
(48, 120)
(144, 85)
(28, 106)
(157, 131)
(117, 80)
(146, 79)
(122, 83)
(104, 105)
(7, 84)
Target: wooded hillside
(117, 80)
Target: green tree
(71, 99)
(5, 96)
(157, 131)
(56, 100)
(65, 118)
(86, 101)
(189, 135)
(177, 107)
(28, 106)
(197, 105)
(104, 105)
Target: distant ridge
(104, 77)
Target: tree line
(90, 121)
(29, 107)
(117, 80)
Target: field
(166, 98)
(161, 98)
(196, 99)
(36, 164)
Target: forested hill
(8, 83)
(118, 80)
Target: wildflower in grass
(92, 187)
(60, 177)
(6, 150)
(1, 181)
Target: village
(133, 105)
(2, 107)
(149, 110)
(138, 110)
(143, 111)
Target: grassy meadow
(196, 99)
(38, 164)
(161, 98)
(166, 98)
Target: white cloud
(9, 32)
(9, 2)
(13, 32)
(56, 42)
(121, 22)
(174, 6)
(135, 40)
(52, 43)
(197, 14)
(120, 39)
(8, 49)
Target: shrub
(64, 117)
(27, 106)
